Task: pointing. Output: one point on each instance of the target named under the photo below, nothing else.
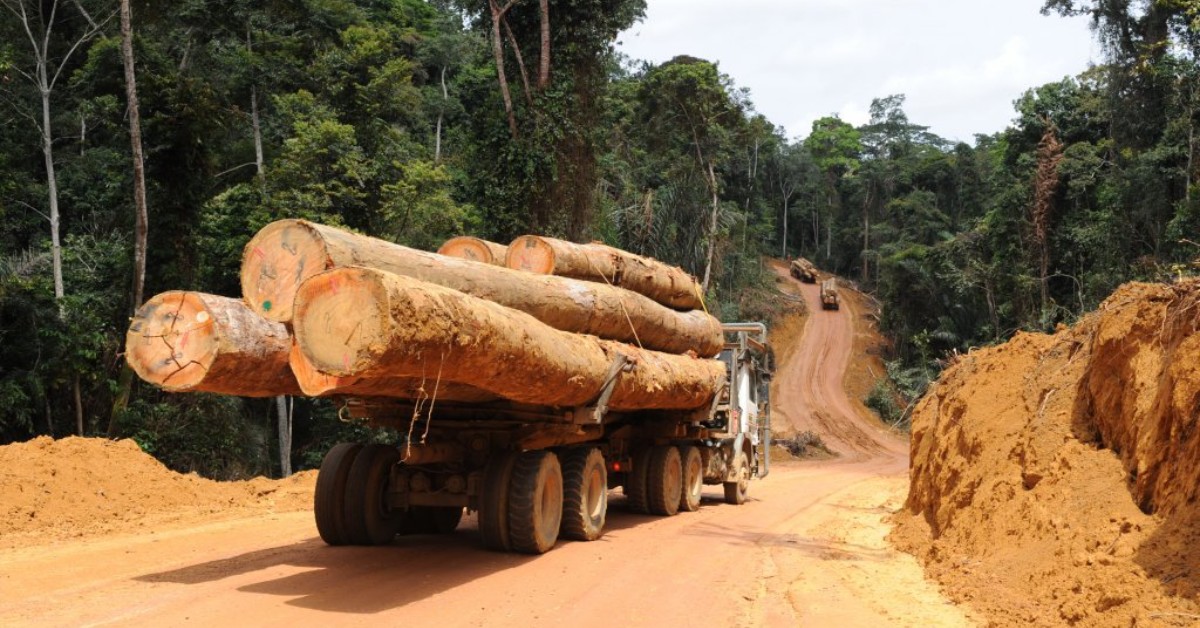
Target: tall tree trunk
(437, 143)
(256, 125)
(285, 435)
(990, 293)
(544, 65)
(829, 240)
(78, 407)
(712, 228)
(1191, 156)
(498, 53)
(866, 260)
(816, 230)
(784, 234)
(141, 215)
(52, 187)
(141, 226)
(751, 174)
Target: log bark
(475, 249)
(371, 323)
(285, 253)
(316, 383)
(196, 342)
(669, 285)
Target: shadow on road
(368, 580)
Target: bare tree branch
(87, 16)
(520, 60)
(87, 36)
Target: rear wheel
(693, 478)
(665, 481)
(585, 494)
(735, 491)
(535, 502)
(635, 482)
(369, 519)
(493, 501)
(329, 499)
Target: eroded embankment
(1055, 478)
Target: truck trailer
(534, 474)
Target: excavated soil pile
(1055, 478)
(74, 487)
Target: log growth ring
(531, 253)
(276, 261)
(171, 341)
(351, 326)
(469, 248)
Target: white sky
(961, 63)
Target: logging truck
(536, 474)
(829, 294)
(803, 270)
(520, 382)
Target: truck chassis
(536, 473)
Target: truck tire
(693, 478)
(665, 481)
(535, 502)
(635, 483)
(432, 519)
(585, 493)
(493, 501)
(735, 492)
(329, 498)
(369, 519)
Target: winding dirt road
(807, 549)
(809, 394)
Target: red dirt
(84, 487)
(1055, 478)
(812, 396)
(807, 549)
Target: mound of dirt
(74, 487)
(1055, 478)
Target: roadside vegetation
(417, 121)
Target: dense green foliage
(388, 116)
(951, 237)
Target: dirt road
(808, 549)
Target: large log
(285, 253)
(475, 249)
(315, 383)
(666, 284)
(196, 342)
(370, 323)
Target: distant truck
(804, 270)
(829, 294)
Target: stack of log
(330, 312)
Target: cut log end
(344, 320)
(171, 341)
(531, 253)
(276, 261)
(475, 249)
